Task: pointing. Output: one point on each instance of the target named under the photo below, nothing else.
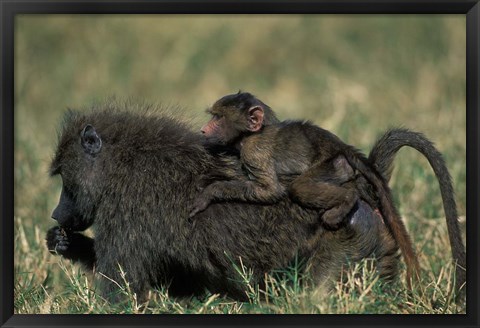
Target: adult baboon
(132, 177)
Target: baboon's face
(74, 163)
(221, 128)
(67, 213)
(231, 119)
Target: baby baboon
(296, 148)
(269, 148)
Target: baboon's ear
(91, 141)
(255, 118)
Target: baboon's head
(76, 161)
(235, 115)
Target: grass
(286, 291)
(355, 75)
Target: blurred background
(356, 75)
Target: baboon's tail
(382, 156)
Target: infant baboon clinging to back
(323, 165)
(324, 179)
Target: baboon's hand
(200, 204)
(58, 240)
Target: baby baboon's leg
(327, 185)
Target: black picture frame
(10, 8)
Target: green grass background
(355, 75)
